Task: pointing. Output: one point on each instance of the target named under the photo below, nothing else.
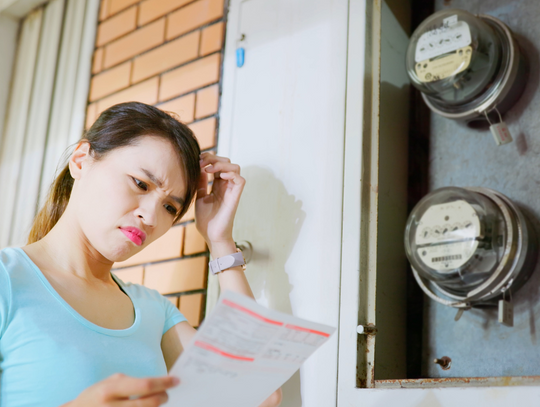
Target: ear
(79, 158)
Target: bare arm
(215, 212)
(214, 215)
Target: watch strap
(227, 262)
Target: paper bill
(242, 353)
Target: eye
(140, 184)
(171, 209)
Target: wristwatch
(227, 262)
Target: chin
(119, 252)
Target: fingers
(234, 177)
(202, 186)
(150, 401)
(209, 158)
(120, 385)
(220, 166)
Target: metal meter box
(456, 156)
(465, 349)
(477, 344)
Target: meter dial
(443, 246)
(455, 238)
(468, 246)
(465, 65)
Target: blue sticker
(240, 56)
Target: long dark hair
(118, 126)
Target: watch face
(455, 238)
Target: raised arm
(215, 210)
(214, 213)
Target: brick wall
(165, 53)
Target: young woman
(72, 333)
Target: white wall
(282, 120)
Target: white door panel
(282, 120)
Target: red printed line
(299, 328)
(209, 347)
(247, 311)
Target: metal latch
(366, 330)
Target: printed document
(241, 354)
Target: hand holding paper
(242, 353)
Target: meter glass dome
(455, 238)
(465, 65)
(453, 56)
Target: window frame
(63, 123)
(12, 12)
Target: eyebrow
(159, 183)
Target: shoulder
(13, 266)
(10, 259)
(8, 264)
(16, 266)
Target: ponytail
(54, 207)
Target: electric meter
(469, 246)
(467, 67)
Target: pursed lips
(134, 234)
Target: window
(45, 110)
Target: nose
(147, 212)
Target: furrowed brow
(153, 178)
(159, 183)
(180, 201)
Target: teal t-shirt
(49, 353)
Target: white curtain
(46, 109)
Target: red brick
(194, 15)
(133, 275)
(193, 242)
(212, 39)
(183, 107)
(104, 10)
(91, 115)
(189, 77)
(177, 276)
(192, 307)
(135, 43)
(205, 131)
(168, 246)
(116, 26)
(118, 5)
(97, 62)
(152, 9)
(110, 81)
(145, 92)
(173, 300)
(165, 57)
(207, 102)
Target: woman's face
(129, 197)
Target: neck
(66, 249)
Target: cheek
(105, 200)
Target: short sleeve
(5, 298)
(172, 315)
